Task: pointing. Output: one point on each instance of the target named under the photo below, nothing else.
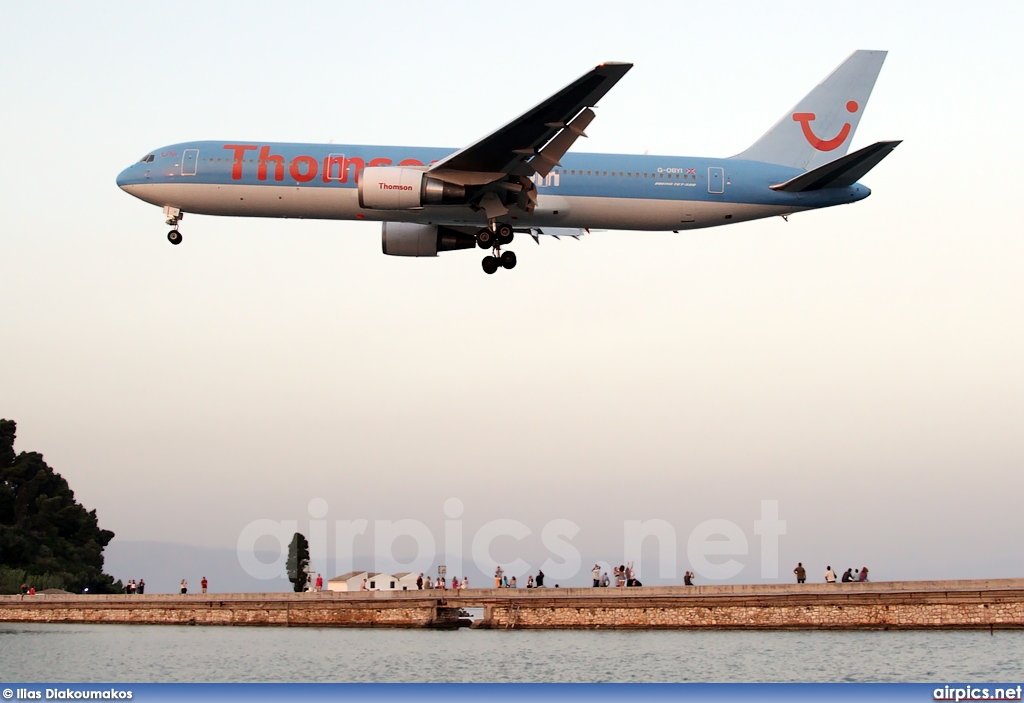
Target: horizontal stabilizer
(844, 171)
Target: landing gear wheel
(505, 241)
(508, 259)
(490, 264)
(174, 237)
(485, 239)
(504, 231)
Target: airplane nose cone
(125, 177)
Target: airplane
(522, 178)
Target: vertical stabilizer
(820, 128)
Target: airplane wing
(535, 141)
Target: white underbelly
(236, 200)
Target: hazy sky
(861, 365)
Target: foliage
(44, 532)
(11, 580)
(298, 562)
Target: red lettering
(410, 162)
(265, 156)
(297, 174)
(330, 161)
(238, 158)
(359, 165)
(336, 168)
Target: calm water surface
(140, 653)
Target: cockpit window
(148, 159)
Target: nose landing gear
(495, 237)
(174, 216)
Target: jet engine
(400, 188)
(411, 239)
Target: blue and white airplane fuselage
(588, 191)
(522, 177)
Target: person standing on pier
(540, 579)
(801, 572)
(596, 573)
(419, 582)
(830, 576)
(184, 587)
(497, 577)
(141, 587)
(203, 584)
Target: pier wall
(978, 604)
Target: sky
(859, 367)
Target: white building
(406, 580)
(353, 581)
(383, 582)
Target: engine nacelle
(411, 239)
(400, 188)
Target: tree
(45, 534)
(298, 562)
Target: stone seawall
(979, 604)
(226, 610)
(859, 612)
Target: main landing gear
(495, 237)
(174, 216)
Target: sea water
(151, 653)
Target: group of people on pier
(132, 587)
(851, 575)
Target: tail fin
(821, 126)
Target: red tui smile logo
(805, 118)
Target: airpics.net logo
(961, 692)
(714, 548)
